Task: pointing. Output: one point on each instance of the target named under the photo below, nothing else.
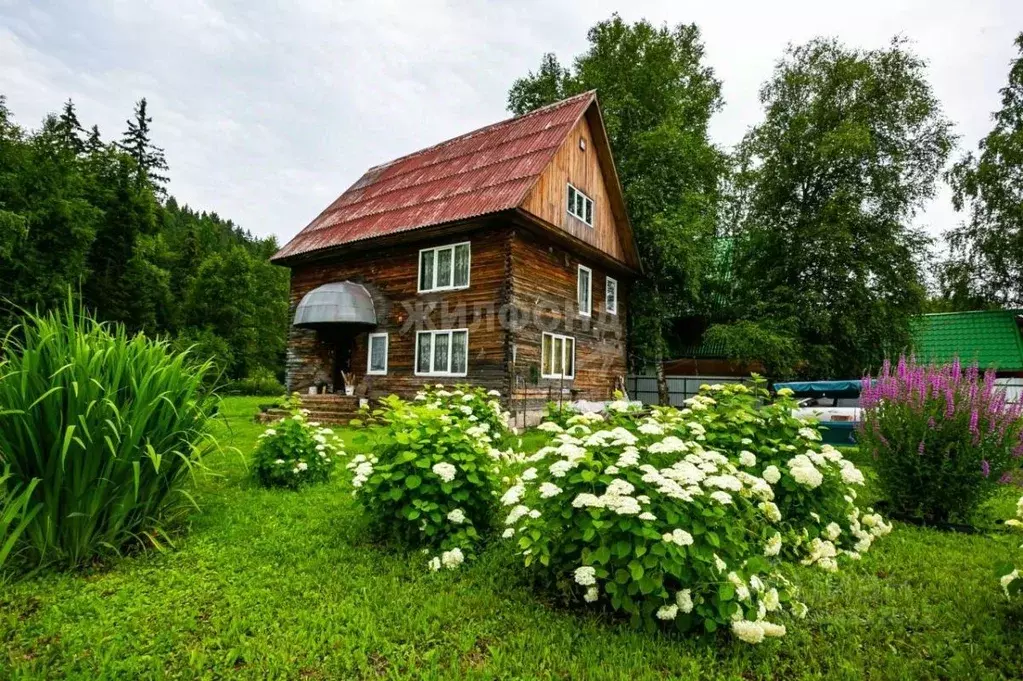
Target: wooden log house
(501, 258)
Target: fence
(680, 388)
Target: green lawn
(270, 584)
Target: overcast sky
(268, 110)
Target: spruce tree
(149, 158)
(69, 129)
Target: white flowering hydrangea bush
(814, 487)
(1009, 575)
(295, 451)
(657, 528)
(471, 403)
(431, 479)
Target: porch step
(332, 409)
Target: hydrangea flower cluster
(813, 486)
(1009, 578)
(432, 479)
(295, 451)
(656, 526)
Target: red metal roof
(484, 171)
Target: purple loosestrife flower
(973, 422)
(985, 467)
(920, 448)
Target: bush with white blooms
(814, 487)
(658, 528)
(681, 515)
(1009, 575)
(295, 451)
(431, 480)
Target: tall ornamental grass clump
(431, 476)
(16, 512)
(942, 437)
(110, 425)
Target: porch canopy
(341, 302)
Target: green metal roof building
(989, 337)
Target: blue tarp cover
(822, 388)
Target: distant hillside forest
(92, 216)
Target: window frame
(569, 204)
(564, 343)
(579, 289)
(434, 250)
(607, 286)
(370, 371)
(433, 333)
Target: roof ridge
(477, 131)
(1012, 310)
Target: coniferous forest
(88, 215)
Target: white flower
(667, 612)
(515, 514)
(772, 474)
(678, 536)
(772, 630)
(684, 600)
(529, 474)
(809, 433)
(434, 563)
(799, 609)
(548, 490)
(647, 516)
(550, 427)
(560, 469)
(804, 472)
(269, 432)
(719, 564)
(750, 632)
(534, 514)
(493, 393)
(773, 546)
(832, 531)
(591, 594)
(747, 458)
(771, 600)
(619, 487)
(721, 497)
(445, 471)
(728, 482)
(650, 428)
(279, 462)
(1008, 579)
(585, 576)
(452, 559)
(509, 533)
(457, 516)
(770, 510)
(302, 466)
(586, 500)
(851, 475)
(513, 495)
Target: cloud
(269, 110)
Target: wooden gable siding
(543, 291)
(548, 199)
(391, 277)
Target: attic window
(580, 205)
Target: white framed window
(442, 353)
(580, 205)
(376, 354)
(584, 290)
(444, 268)
(557, 356)
(611, 296)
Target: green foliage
(430, 478)
(851, 146)
(110, 425)
(16, 512)
(470, 403)
(262, 382)
(763, 341)
(986, 264)
(656, 95)
(294, 451)
(941, 438)
(79, 214)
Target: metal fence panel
(680, 388)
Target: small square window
(580, 205)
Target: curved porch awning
(341, 302)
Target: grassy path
(271, 584)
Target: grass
(277, 584)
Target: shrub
(261, 383)
(942, 437)
(430, 481)
(111, 426)
(1009, 575)
(16, 512)
(658, 528)
(471, 403)
(294, 451)
(814, 486)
